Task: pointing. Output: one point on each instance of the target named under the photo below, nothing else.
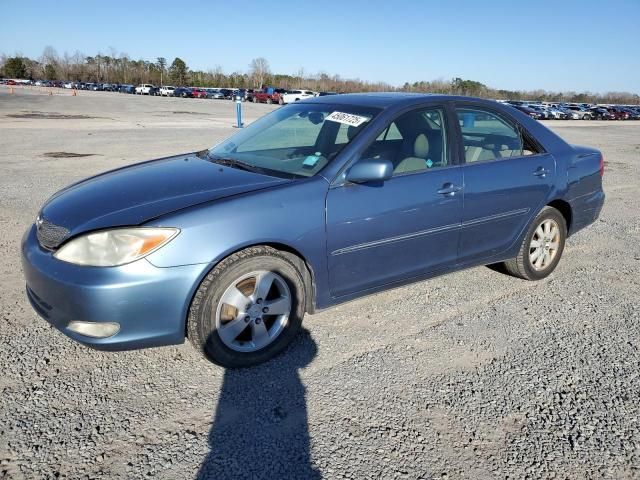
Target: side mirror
(370, 170)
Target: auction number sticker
(347, 118)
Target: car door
(507, 178)
(405, 227)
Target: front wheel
(249, 307)
(269, 101)
(280, 101)
(541, 248)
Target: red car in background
(618, 114)
(198, 93)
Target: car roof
(388, 99)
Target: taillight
(601, 165)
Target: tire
(269, 101)
(280, 101)
(233, 275)
(524, 265)
(255, 100)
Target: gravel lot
(474, 375)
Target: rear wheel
(541, 248)
(269, 101)
(255, 100)
(249, 307)
(280, 101)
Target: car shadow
(260, 427)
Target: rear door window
(486, 136)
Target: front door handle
(541, 172)
(449, 189)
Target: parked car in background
(167, 91)
(600, 113)
(183, 92)
(268, 95)
(544, 114)
(529, 111)
(144, 89)
(557, 113)
(203, 245)
(227, 93)
(131, 89)
(324, 94)
(214, 93)
(634, 113)
(291, 96)
(618, 113)
(248, 94)
(580, 112)
(198, 93)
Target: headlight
(110, 248)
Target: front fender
(291, 214)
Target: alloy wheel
(544, 245)
(253, 311)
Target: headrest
(421, 146)
(496, 147)
(351, 132)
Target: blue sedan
(314, 204)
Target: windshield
(297, 140)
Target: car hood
(135, 194)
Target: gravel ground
(473, 375)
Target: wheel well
(565, 209)
(309, 280)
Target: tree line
(119, 68)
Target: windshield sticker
(347, 118)
(311, 160)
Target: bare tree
(49, 55)
(161, 62)
(259, 70)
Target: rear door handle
(449, 189)
(541, 172)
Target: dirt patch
(616, 165)
(50, 116)
(180, 112)
(67, 155)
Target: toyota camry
(318, 202)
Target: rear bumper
(586, 210)
(149, 303)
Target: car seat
(418, 161)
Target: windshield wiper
(231, 162)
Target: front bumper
(149, 303)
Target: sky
(587, 45)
